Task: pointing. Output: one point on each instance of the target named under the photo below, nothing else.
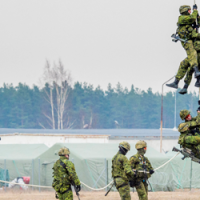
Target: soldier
(186, 31)
(122, 172)
(143, 170)
(185, 67)
(64, 175)
(189, 136)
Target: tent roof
(95, 151)
(21, 151)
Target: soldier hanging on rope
(143, 170)
(187, 32)
(189, 137)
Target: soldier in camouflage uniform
(122, 172)
(186, 31)
(185, 66)
(64, 174)
(143, 170)
(189, 132)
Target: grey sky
(99, 41)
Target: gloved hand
(78, 188)
(131, 183)
(195, 7)
(151, 171)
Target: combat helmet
(125, 145)
(140, 144)
(63, 151)
(183, 127)
(184, 8)
(184, 114)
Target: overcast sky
(99, 41)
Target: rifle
(176, 38)
(145, 172)
(72, 182)
(187, 153)
(75, 189)
(110, 188)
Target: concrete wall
(50, 140)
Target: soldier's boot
(174, 84)
(196, 72)
(197, 84)
(184, 90)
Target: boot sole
(171, 86)
(183, 93)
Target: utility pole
(161, 120)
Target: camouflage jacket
(121, 167)
(141, 163)
(184, 23)
(193, 123)
(63, 177)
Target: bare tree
(48, 80)
(60, 79)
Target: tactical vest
(142, 168)
(61, 178)
(185, 31)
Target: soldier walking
(64, 175)
(143, 170)
(122, 172)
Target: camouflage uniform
(185, 65)
(187, 32)
(140, 163)
(189, 137)
(122, 173)
(63, 176)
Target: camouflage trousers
(124, 191)
(185, 67)
(190, 142)
(66, 196)
(142, 190)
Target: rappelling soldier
(64, 175)
(189, 132)
(187, 31)
(122, 172)
(143, 170)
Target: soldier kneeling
(143, 170)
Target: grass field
(180, 195)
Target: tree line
(89, 107)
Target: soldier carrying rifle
(64, 175)
(189, 137)
(188, 35)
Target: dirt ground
(180, 195)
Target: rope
(50, 187)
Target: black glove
(78, 188)
(195, 7)
(132, 183)
(151, 171)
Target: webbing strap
(124, 184)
